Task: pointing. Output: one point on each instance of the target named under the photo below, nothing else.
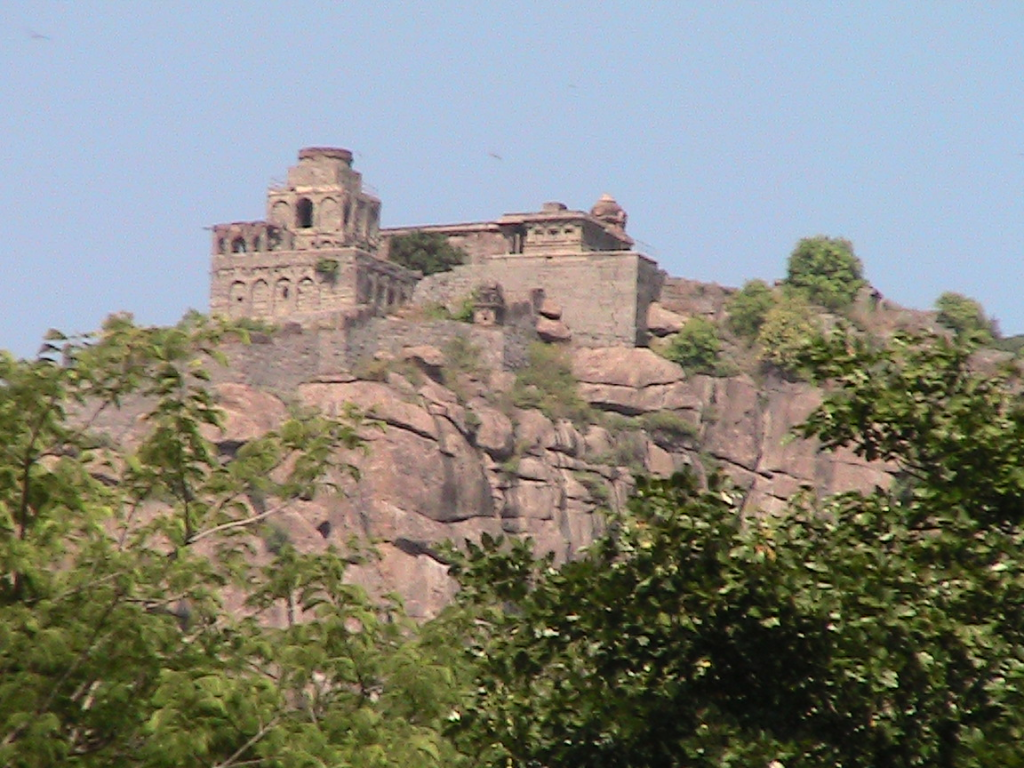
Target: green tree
(859, 631)
(749, 307)
(965, 317)
(825, 271)
(115, 646)
(696, 346)
(427, 252)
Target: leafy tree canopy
(115, 646)
(864, 630)
(965, 317)
(825, 271)
(427, 252)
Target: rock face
(453, 462)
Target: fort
(320, 259)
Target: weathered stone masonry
(321, 252)
(315, 253)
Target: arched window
(237, 299)
(238, 245)
(304, 213)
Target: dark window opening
(238, 245)
(304, 213)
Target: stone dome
(609, 211)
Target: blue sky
(727, 130)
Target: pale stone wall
(603, 295)
(278, 285)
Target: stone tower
(315, 253)
(324, 204)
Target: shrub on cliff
(965, 317)
(548, 384)
(427, 252)
(748, 307)
(788, 329)
(696, 346)
(825, 271)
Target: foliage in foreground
(882, 629)
(115, 646)
(869, 630)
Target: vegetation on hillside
(966, 318)
(548, 384)
(749, 307)
(788, 329)
(696, 346)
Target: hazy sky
(727, 130)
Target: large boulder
(662, 322)
(631, 381)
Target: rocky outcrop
(454, 462)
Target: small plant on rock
(328, 269)
(547, 383)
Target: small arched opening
(238, 245)
(304, 213)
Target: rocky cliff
(454, 457)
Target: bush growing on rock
(788, 329)
(548, 384)
(696, 346)
(748, 308)
(965, 317)
(825, 271)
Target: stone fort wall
(320, 260)
(280, 362)
(604, 296)
(269, 285)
